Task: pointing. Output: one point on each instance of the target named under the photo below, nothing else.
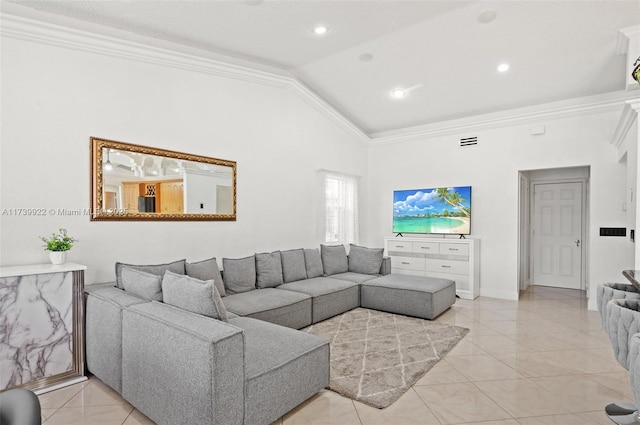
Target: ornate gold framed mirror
(134, 182)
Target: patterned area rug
(376, 356)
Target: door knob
(577, 242)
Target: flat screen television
(440, 210)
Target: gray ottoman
(417, 296)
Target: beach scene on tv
(437, 210)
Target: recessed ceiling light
(398, 93)
(503, 67)
(320, 30)
(487, 16)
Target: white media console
(455, 259)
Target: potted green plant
(58, 244)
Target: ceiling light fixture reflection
(320, 30)
(503, 67)
(399, 93)
(108, 166)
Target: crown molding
(42, 32)
(37, 31)
(630, 111)
(624, 35)
(608, 102)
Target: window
(338, 218)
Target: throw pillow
(293, 266)
(313, 263)
(157, 269)
(195, 295)
(334, 259)
(268, 270)
(239, 274)
(207, 270)
(365, 260)
(143, 284)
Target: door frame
(584, 281)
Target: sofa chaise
(186, 343)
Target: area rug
(376, 356)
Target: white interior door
(557, 235)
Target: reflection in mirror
(132, 182)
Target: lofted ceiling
(444, 53)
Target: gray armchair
(19, 407)
(623, 325)
(613, 291)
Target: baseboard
(505, 295)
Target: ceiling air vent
(467, 142)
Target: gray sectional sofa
(187, 344)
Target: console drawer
(426, 247)
(447, 266)
(407, 263)
(449, 258)
(454, 249)
(400, 246)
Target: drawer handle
(446, 267)
(424, 247)
(453, 249)
(399, 246)
(405, 262)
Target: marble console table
(633, 276)
(41, 326)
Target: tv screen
(442, 210)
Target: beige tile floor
(543, 360)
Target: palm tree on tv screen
(452, 198)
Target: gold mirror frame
(99, 212)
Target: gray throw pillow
(239, 274)
(365, 260)
(334, 259)
(195, 295)
(207, 270)
(143, 284)
(177, 267)
(268, 270)
(313, 263)
(293, 266)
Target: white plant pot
(58, 257)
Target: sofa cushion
(207, 270)
(317, 286)
(365, 260)
(293, 265)
(239, 274)
(157, 269)
(268, 270)
(354, 277)
(334, 259)
(195, 295)
(416, 296)
(180, 367)
(283, 368)
(140, 283)
(313, 263)
(103, 332)
(329, 296)
(290, 309)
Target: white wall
(492, 169)
(200, 188)
(54, 99)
